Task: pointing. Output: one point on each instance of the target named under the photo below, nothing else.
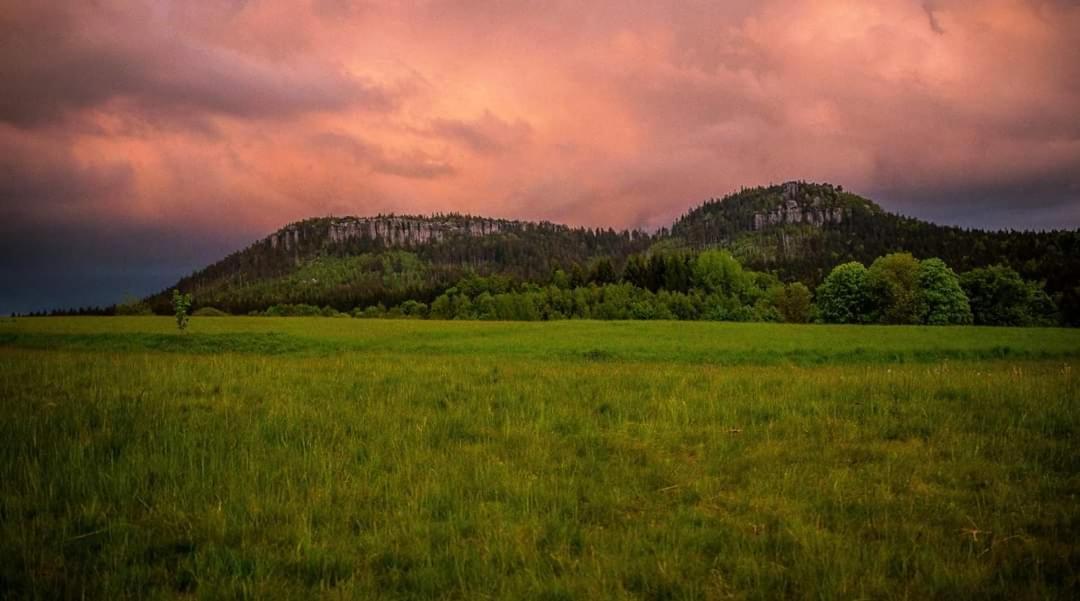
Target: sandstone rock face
(798, 208)
(393, 231)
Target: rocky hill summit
(799, 207)
(719, 221)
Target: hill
(356, 261)
(802, 230)
(796, 230)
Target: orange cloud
(242, 116)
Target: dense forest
(712, 285)
(794, 232)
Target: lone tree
(181, 305)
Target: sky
(140, 141)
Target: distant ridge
(801, 230)
(798, 230)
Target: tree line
(712, 285)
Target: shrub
(793, 302)
(412, 308)
(181, 304)
(132, 306)
(290, 310)
(372, 312)
(209, 312)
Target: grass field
(289, 458)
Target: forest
(712, 285)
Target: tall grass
(458, 461)
(673, 341)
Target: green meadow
(265, 458)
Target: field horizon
(676, 341)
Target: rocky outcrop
(798, 208)
(792, 212)
(392, 231)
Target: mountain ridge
(797, 230)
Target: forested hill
(797, 231)
(350, 261)
(802, 230)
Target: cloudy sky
(141, 140)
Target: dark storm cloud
(1046, 200)
(33, 179)
(54, 266)
(58, 59)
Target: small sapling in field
(181, 305)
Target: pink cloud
(253, 114)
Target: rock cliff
(388, 231)
(797, 207)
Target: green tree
(1042, 310)
(893, 282)
(844, 296)
(942, 299)
(657, 272)
(371, 312)
(181, 306)
(413, 308)
(560, 279)
(578, 276)
(793, 301)
(677, 304)
(717, 271)
(636, 271)
(517, 306)
(485, 307)
(678, 274)
(1000, 297)
(443, 307)
(603, 272)
(463, 307)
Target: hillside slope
(802, 230)
(355, 261)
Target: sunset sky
(142, 140)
